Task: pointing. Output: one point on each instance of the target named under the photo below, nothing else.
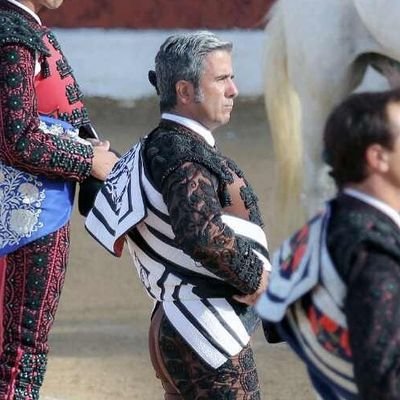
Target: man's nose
(232, 90)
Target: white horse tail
(284, 119)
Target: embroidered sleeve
(22, 143)
(195, 211)
(373, 314)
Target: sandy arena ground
(99, 340)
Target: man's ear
(184, 92)
(377, 158)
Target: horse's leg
(319, 56)
(316, 186)
(318, 97)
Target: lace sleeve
(190, 193)
(22, 143)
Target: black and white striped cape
(129, 202)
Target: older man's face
(214, 101)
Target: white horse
(317, 52)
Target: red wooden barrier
(159, 14)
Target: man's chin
(226, 119)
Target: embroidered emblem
(21, 196)
(117, 182)
(50, 125)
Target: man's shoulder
(357, 226)
(171, 145)
(353, 214)
(178, 141)
(16, 29)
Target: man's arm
(22, 143)
(195, 212)
(373, 315)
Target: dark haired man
(335, 288)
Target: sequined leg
(170, 391)
(237, 379)
(34, 279)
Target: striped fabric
(305, 297)
(193, 298)
(119, 204)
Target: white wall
(114, 63)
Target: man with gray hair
(193, 227)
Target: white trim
(245, 228)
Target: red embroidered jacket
(25, 44)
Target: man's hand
(103, 159)
(251, 299)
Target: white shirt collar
(374, 202)
(27, 9)
(192, 125)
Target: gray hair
(181, 57)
